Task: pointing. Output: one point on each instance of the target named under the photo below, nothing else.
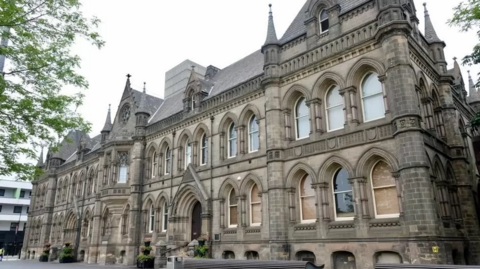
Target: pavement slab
(34, 264)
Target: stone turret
(142, 113)
(107, 128)
(436, 45)
(271, 49)
(473, 95)
(40, 163)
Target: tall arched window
(343, 195)
(204, 151)
(255, 207)
(154, 164)
(232, 209)
(168, 160)
(384, 191)
(165, 217)
(372, 98)
(335, 114)
(151, 223)
(232, 141)
(188, 153)
(123, 168)
(323, 21)
(253, 134)
(307, 200)
(302, 118)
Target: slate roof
(229, 77)
(430, 33)
(151, 102)
(298, 28)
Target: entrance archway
(196, 221)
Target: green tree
(467, 17)
(33, 109)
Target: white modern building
(14, 206)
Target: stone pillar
(161, 254)
(96, 236)
(420, 209)
(49, 205)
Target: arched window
(343, 195)
(232, 209)
(154, 164)
(384, 191)
(204, 151)
(165, 217)
(307, 256)
(323, 19)
(232, 141)
(343, 260)
(168, 160)
(307, 200)
(228, 255)
(335, 114)
(302, 118)
(372, 98)
(192, 100)
(123, 168)
(388, 257)
(253, 134)
(251, 255)
(255, 207)
(188, 153)
(151, 223)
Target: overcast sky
(146, 38)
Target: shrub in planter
(46, 253)
(66, 256)
(145, 260)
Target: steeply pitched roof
(227, 78)
(430, 33)
(298, 28)
(271, 33)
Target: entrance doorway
(196, 221)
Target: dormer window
(323, 21)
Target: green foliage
(66, 252)
(143, 257)
(201, 251)
(45, 255)
(33, 110)
(145, 248)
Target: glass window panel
(253, 124)
(334, 98)
(371, 85)
(188, 154)
(325, 25)
(323, 15)
(302, 108)
(382, 175)
(122, 174)
(253, 133)
(308, 208)
(204, 149)
(306, 187)
(341, 181)
(374, 107)
(233, 147)
(303, 127)
(167, 161)
(232, 198)
(344, 204)
(336, 118)
(256, 213)
(255, 197)
(233, 215)
(386, 201)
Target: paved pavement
(35, 264)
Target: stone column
(241, 136)
(288, 125)
(49, 205)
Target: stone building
(342, 142)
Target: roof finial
(109, 107)
(129, 76)
(271, 33)
(270, 6)
(425, 8)
(455, 59)
(144, 87)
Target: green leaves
(33, 109)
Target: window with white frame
(151, 223)
(232, 209)
(168, 160)
(232, 141)
(154, 164)
(302, 118)
(372, 98)
(343, 195)
(165, 217)
(307, 200)
(323, 21)
(384, 191)
(204, 151)
(255, 207)
(123, 167)
(188, 153)
(253, 131)
(334, 106)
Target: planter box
(66, 260)
(146, 264)
(43, 259)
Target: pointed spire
(430, 33)
(108, 121)
(40, 159)
(142, 104)
(472, 91)
(271, 34)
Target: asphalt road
(34, 264)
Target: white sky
(146, 38)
